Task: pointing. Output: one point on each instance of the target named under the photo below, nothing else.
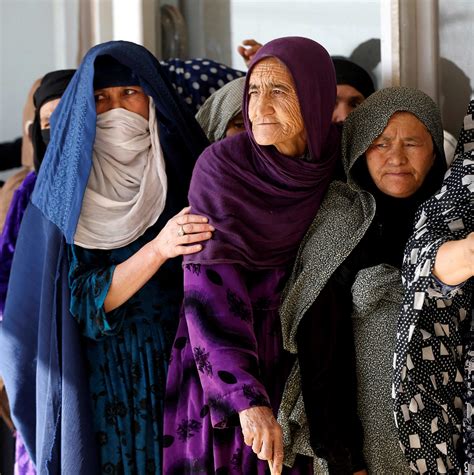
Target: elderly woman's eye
(99, 97)
(130, 92)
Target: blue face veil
(41, 357)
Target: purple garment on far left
(21, 197)
(9, 235)
(23, 463)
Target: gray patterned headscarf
(369, 120)
(341, 222)
(219, 109)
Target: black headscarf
(52, 87)
(110, 73)
(350, 73)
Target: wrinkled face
(131, 98)
(274, 109)
(401, 157)
(46, 111)
(235, 125)
(347, 99)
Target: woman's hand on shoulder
(262, 432)
(181, 235)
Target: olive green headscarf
(220, 109)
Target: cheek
(422, 164)
(139, 105)
(374, 164)
(292, 114)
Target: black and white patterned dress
(434, 359)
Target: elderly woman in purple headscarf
(260, 190)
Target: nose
(397, 155)
(264, 106)
(340, 113)
(115, 102)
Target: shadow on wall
(368, 55)
(455, 91)
(455, 85)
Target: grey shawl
(220, 108)
(342, 221)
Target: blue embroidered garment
(42, 352)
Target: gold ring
(181, 231)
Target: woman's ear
(29, 128)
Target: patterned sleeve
(219, 316)
(429, 378)
(197, 79)
(89, 281)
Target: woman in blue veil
(94, 293)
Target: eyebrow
(387, 138)
(272, 85)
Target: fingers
(183, 250)
(257, 445)
(251, 42)
(192, 238)
(190, 218)
(277, 461)
(197, 228)
(184, 211)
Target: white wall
(456, 32)
(35, 37)
(340, 25)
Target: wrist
(155, 255)
(468, 253)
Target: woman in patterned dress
(434, 370)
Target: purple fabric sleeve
(9, 235)
(226, 353)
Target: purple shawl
(260, 201)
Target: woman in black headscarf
(341, 305)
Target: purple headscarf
(260, 201)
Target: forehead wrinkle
(271, 73)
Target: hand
(171, 243)
(262, 432)
(248, 49)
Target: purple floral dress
(227, 356)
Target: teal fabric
(127, 350)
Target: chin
(263, 140)
(400, 193)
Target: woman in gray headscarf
(221, 115)
(342, 301)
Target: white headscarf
(126, 191)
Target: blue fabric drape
(41, 356)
